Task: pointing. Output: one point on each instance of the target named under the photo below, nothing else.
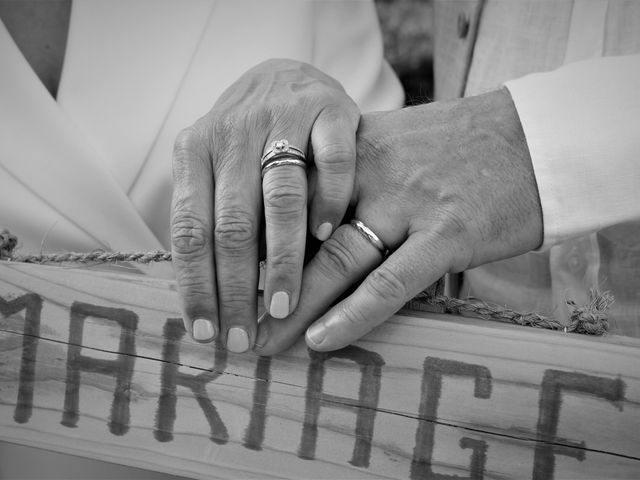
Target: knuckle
(284, 258)
(282, 197)
(337, 158)
(335, 259)
(189, 236)
(190, 155)
(235, 298)
(453, 221)
(385, 284)
(186, 138)
(234, 295)
(186, 142)
(235, 231)
(193, 287)
(354, 318)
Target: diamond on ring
(280, 150)
(281, 145)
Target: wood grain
(97, 364)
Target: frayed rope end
(591, 318)
(8, 243)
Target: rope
(590, 319)
(8, 243)
(97, 256)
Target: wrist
(501, 151)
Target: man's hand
(447, 187)
(220, 199)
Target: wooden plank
(97, 364)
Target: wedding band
(278, 162)
(367, 233)
(280, 149)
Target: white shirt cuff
(582, 125)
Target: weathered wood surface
(97, 364)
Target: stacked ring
(281, 153)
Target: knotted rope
(590, 319)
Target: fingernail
(263, 334)
(324, 231)
(237, 340)
(317, 333)
(279, 307)
(203, 330)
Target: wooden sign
(98, 364)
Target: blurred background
(407, 27)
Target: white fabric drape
(93, 170)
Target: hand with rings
(248, 161)
(446, 187)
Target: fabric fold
(55, 187)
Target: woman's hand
(447, 187)
(219, 196)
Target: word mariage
(364, 367)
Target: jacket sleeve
(582, 125)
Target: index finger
(381, 294)
(191, 235)
(342, 260)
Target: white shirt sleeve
(582, 125)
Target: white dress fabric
(92, 170)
